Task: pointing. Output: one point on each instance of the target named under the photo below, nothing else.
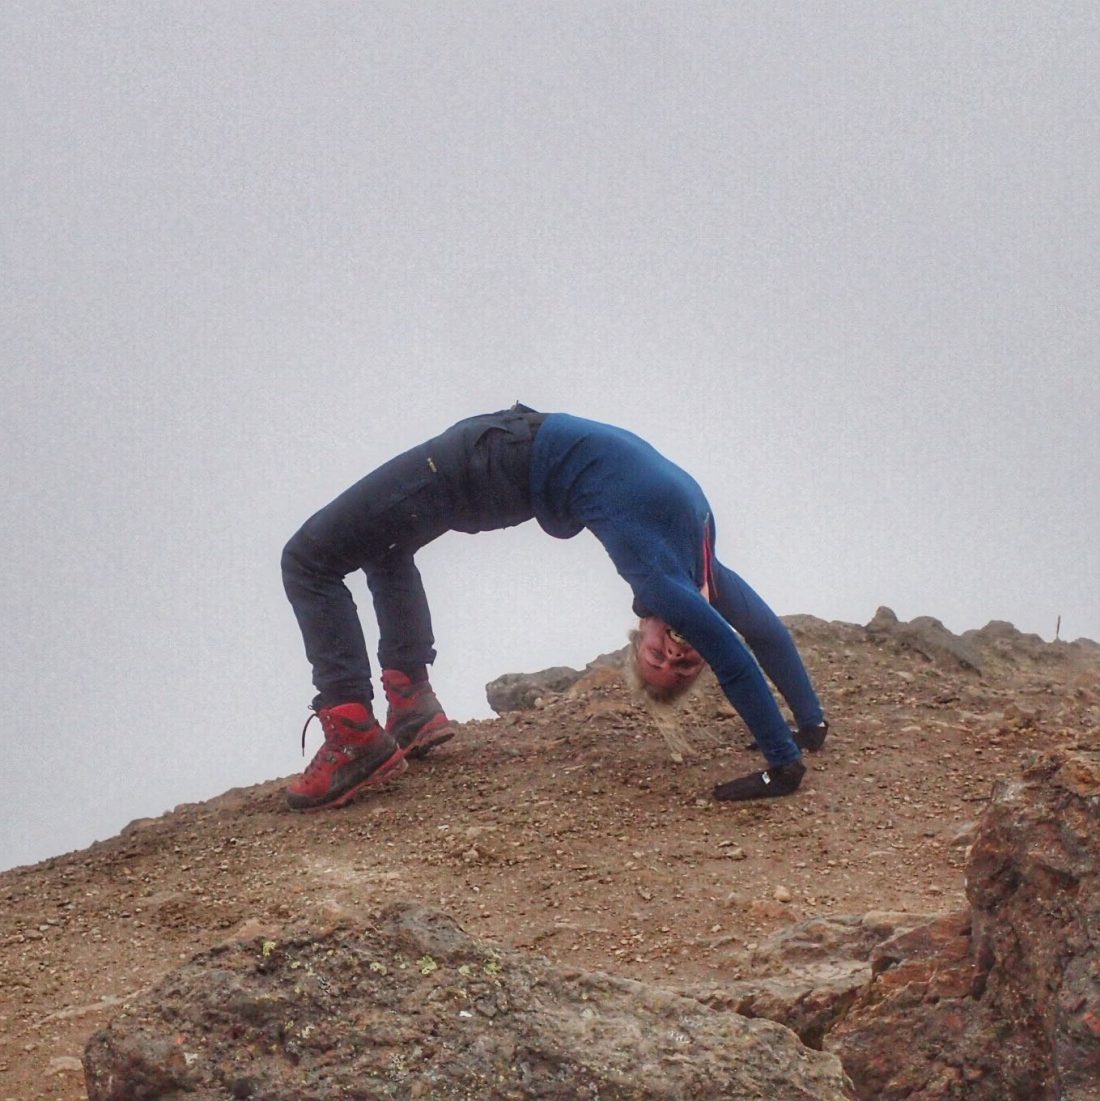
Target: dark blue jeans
(473, 477)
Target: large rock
(412, 1007)
(526, 691)
(1001, 1002)
(905, 1036)
(807, 976)
(927, 637)
(1034, 883)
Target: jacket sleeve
(687, 611)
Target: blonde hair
(665, 705)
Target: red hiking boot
(415, 719)
(357, 753)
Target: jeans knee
(305, 558)
(303, 561)
(291, 559)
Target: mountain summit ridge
(565, 829)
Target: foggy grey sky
(838, 260)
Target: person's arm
(687, 611)
(771, 644)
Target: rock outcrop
(1002, 1002)
(994, 650)
(927, 637)
(411, 1007)
(998, 1002)
(526, 691)
(813, 972)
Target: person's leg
(405, 639)
(483, 464)
(329, 622)
(770, 642)
(455, 481)
(363, 525)
(356, 752)
(374, 525)
(406, 647)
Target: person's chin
(663, 684)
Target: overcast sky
(839, 260)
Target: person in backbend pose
(494, 471)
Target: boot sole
(427, 739)
(394, 765)
(419, 750)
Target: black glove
(781, 780)
(811, 737)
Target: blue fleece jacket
(655, 524)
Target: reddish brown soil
(567, 830)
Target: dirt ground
(567, 830)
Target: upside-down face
(666, 660)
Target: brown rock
(413, 1007)
(523, 691)
(807, 976)
(1035, 887)
(927, 637)
(1009, 991)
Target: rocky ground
(568, 830)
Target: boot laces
(327, 725)
(307, 722)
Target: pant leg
(375, 525)
(474, 477)
(401, 607)
(770, 642)
(329, 622)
